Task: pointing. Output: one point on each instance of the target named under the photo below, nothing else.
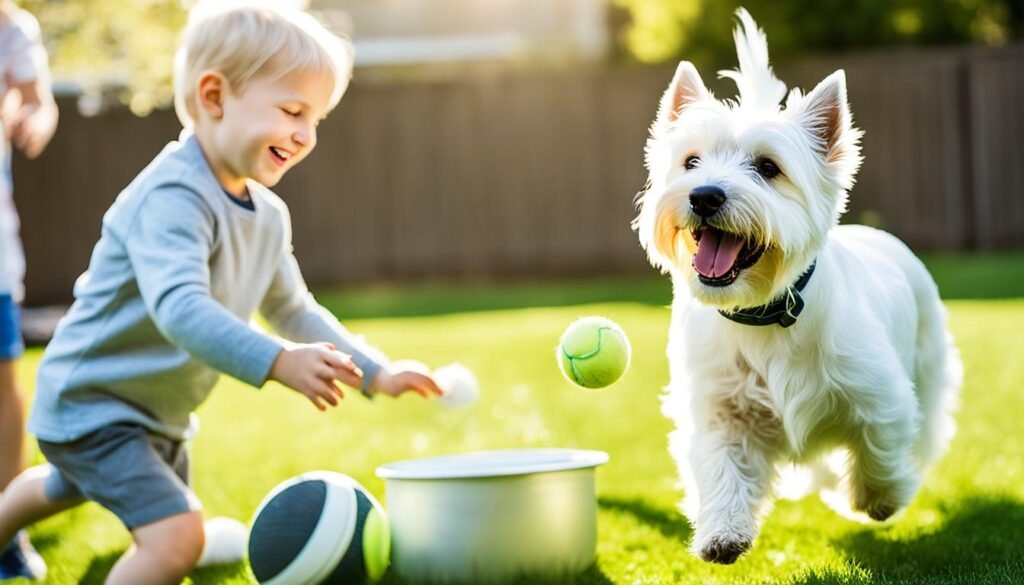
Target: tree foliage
(127, 45)
(700, 30)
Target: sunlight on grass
(965, 527)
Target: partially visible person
(28, 115)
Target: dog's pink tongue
(716, 253)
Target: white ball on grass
(225, 542)
(458, 385)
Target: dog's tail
(758, 86)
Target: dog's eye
(691, 162)
(767, 168)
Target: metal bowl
(493, 516)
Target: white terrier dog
(790, 338)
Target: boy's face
(268, 128)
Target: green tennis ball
(593, 352)
(376, 544)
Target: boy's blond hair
(244, 39)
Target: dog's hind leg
(883, 475)
(938, 373)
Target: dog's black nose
(706, 200)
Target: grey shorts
(139, 476)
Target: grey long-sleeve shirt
(165, 305)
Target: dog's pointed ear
(686, 88)
(825, 114)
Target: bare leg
(12, 424)
(164, 552)
(25, 502)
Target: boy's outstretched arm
(291, 310)
(294, 313)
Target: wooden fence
(534, 173)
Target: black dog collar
(783, 311)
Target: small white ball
(458, 384)
(225, 542)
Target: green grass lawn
(966, 526)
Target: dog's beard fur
(869, 368)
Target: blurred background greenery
(661, 30)
(128, 44)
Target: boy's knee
(188, 541)
(176, 542)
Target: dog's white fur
(868, 368)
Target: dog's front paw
(723, 548)
(877, 510)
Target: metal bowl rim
(496, 463)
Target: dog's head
(741, 193)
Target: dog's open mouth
(722, 255)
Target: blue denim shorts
(139, 476)
(11, 345)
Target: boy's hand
(311, 370)
(396, 383)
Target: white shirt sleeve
(24, 57)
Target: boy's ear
(210, 91)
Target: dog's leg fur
(939, 375)
(729, 463)
(884, 475)
(905, 420)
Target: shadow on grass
(670, 522)
(219, 574)
(593, 575)
(43, 541)
(100, 567)
(979, 543)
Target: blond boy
(189, 251)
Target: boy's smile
(280, 155)
(264, 130)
